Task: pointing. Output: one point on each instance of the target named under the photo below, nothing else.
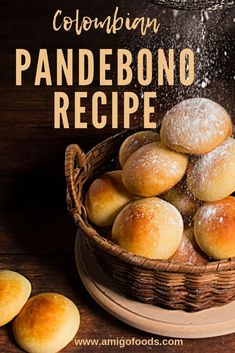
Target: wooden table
(36, 234)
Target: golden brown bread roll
(195, 126)
(153, 169)
(134, 142)
(46, 324)
(106, 197)
(189, 251)
(185, 202)
(212, 176)
(15, 290)
(214, 228)
(149, 227)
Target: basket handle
(75, 162)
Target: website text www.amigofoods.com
(133, 341)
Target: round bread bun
(195, 126)
(153, 169)
(185, 202)
(134, 142)
(189, 251)
(15, 290)
(46, 324)
(214, 228)
(212, 176)
(149, 227)
(106, 197)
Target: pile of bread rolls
(45, 323)
(183, 176)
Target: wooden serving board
(207, 323)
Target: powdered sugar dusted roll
(195, 126)
(214, 228)
(153, 169)
(212, 176)
(134, 142)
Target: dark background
(36, 234)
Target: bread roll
(214, 228)
(212, 176)
(106, 197)
(195, 126)
(134, 142)
(149, 227)
(15, 290)
(153, 169)
(189, 251)
(181, 197)
(46, 324)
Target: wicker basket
(161, 282)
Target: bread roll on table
(212, 176)
(15, 290)
(149, 227)
(134, 142)
(214, 228)
(195, 126)
(153, 169)
(46, 324)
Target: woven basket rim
(149, 264)
(154, 264)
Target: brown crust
(149, 227)
(214, 228)
(41, 317)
